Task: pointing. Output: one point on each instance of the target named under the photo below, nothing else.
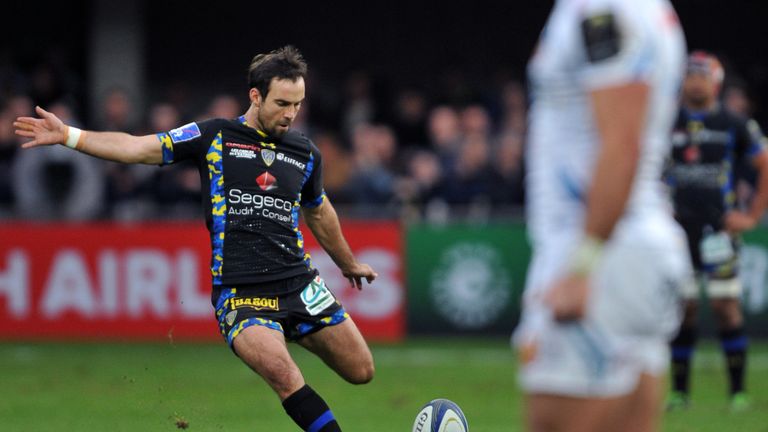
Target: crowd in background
(409, 155)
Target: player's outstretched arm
(115, 146)
(324, 224)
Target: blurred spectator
(514, 108)
(337, 167)
(444, 134)
(9, 143)
(507, 174)
(224, 106)
(176, 188)
(44, 86)
(55, 183)
(20, 106)
(469, 181)
(125, 183)
(475, 121)
(736, 100)
(410, 120)
(359, 104)
(117, 112)
(417, 189)
(372, 182)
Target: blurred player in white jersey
(601, 300)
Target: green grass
(146, 387)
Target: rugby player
(708, 143)
(601, 301)
(257, 174)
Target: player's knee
(362, 373)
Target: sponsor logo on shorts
(317, 297)
(258, 303)
(187, 132)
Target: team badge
(268, 156)
(230, 317)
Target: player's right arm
(115, 146)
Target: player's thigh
(344, 349)
(644, 412)
(557, 413)
(264, 350)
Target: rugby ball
(440, 415)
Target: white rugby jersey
(588, 45)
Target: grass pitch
(162, 387)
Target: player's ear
(255, 97)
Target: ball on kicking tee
(440, 415)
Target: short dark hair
(284, 63)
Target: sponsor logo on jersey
(289, 160)
(692, 154)
(268, 156)
(243, 146)
(187, 132)
(267, 206)
(258, 303)
(242, 153)
(266, 181)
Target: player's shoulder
(730, 119)
(297, 138)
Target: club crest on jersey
(268, 156)
(266, 181)
(187, 132)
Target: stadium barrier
(465, 279)
(152, 281)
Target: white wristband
(587, 255)
(73, 137)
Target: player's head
(703, 79)
(276, 82)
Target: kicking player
(708, 143)
(257, 174)
(601, 301)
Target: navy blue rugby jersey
(707, 148)
(253, 186)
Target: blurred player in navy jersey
(601, 299)
(257, 175)
(709, 143)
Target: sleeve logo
(187, 132)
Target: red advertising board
(152, 281)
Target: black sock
(682, 352)
(734, 343)
(310, 411)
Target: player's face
(699, 89)
(281, 106)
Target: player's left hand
(568, 297)
(737, 222)
(357, 272)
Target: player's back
(589, 45)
